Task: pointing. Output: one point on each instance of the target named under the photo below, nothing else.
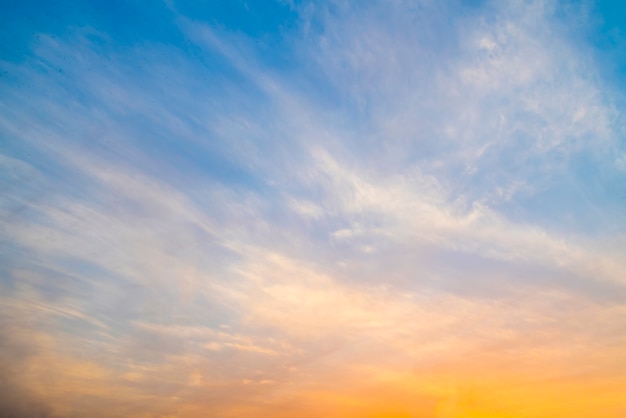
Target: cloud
(20, 404)
(404, 209)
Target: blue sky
(279, 208)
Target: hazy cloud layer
(336, 208)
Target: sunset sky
(316, 208)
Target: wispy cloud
(406, 208)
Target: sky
(315, 208)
